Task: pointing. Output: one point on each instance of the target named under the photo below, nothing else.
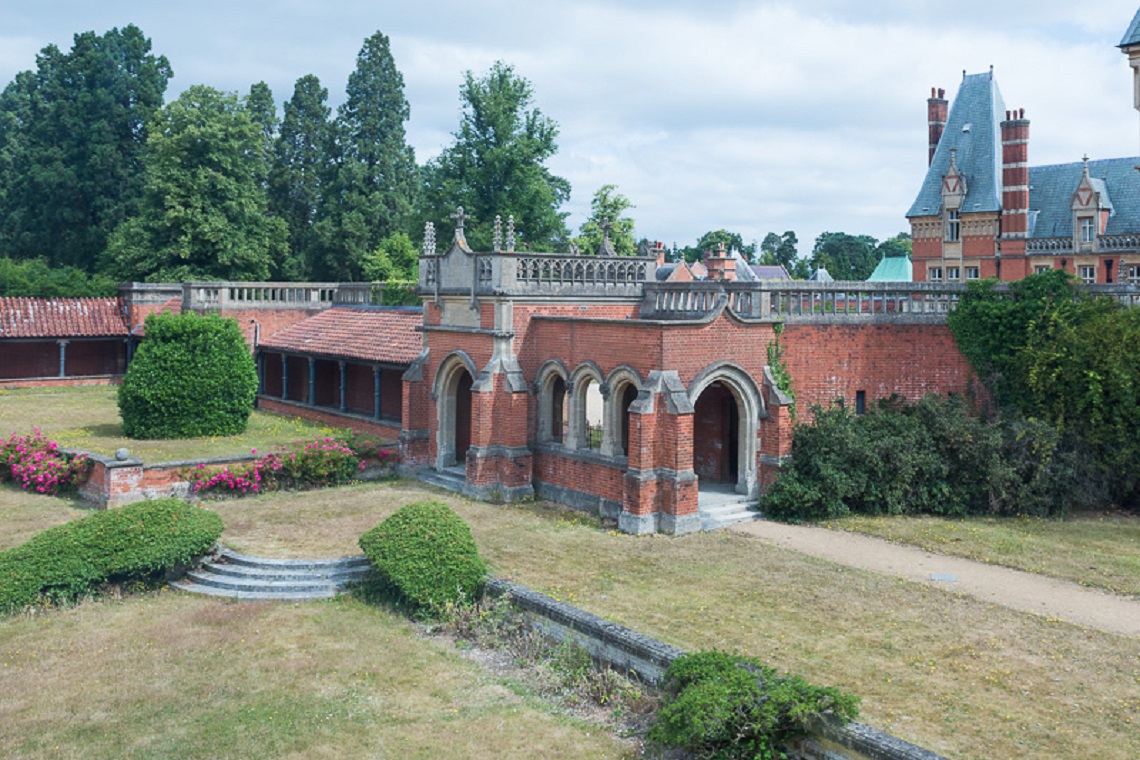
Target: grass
(956, 675)
(171, 675)
(87, 417)
(23, 514)
(1094, 549)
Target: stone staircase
(239, 576)
(720, 507)
(452, 478)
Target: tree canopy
(204, 211)
(607, 208)
(497, 164)
(845, 257)
(72, 134)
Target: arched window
(594, 405)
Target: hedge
(426, 553)
(139, 540)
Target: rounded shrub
(192, 376)
(138, 540)
(426, 553)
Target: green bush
(192, 376)
(931, 457)
(426, 553)
(728, 706)
(139, 540)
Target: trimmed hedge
(192, 376)
(728, 706)
(426, 553)
(141, 539)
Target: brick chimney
(721, 266)
(936, 109)
(1014, 183)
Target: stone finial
(460, 217)
(574, 249)
(607, 247)
(497, 236)
(429, 239)
(511, 233)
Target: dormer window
(953, 226)
(1088, 229)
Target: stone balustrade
(268, 295)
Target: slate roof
(1051, 191)
(893, 269)
(770, 272)
(972, 128)
(1132, 36)
(62, 318)
(366, 333)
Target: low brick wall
(628, 650)
(116, 482)
(389, 430)
(50, 382)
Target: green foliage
(711, 240)
(780, 250)
(608, 205)
(1047, 351)
(38, 464)
(72, 134)
(931, 457)
(204, 212)
(192, 376)
(35, 278)
(497, 165)
(372, 191)
(846, 257)
(396, 258)
(397, 293)
(65, 562)
(426, 553)
(299, 174)
(720, 705)
(779, 367)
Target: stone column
(376, 374)
(284, 377)
(343, 387)
(312, 381)
(62, 357)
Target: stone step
(729, 514)
(240, 576)
(452, 480)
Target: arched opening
(558, 413)
(595, 405)
(628, 396)
(461, 420)
(716, 436)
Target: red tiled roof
(375, 334)
(61, 317)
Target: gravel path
(1016, 589)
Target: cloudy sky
(751, 116)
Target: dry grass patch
(964, 678)
(1099, 549)
(23, 514)
(171, 675)
(87, 417)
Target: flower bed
(323, 462)
(38, 464)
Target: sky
(754, 117)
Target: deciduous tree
(608, 207)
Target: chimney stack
(721, 266)
(937, 108)
(1015, 182)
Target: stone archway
(727, 408)
(454, 412)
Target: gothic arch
(750, 410)
(583, 375)
(452, 393)
(552, 384)
(623, 385)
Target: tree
(496, 165)
(204, 213)
(607, 207)
(396, 258)
(845, 257)
(34, 278)
(300, 163)
(263, 111)
(192, 376)
(899, 245)
(72, 134)
(780, 250)
(712, 240)
(372, 189)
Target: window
(934, 274)
(860, 402)
(595, 406)
(1088, 231)
(953, 226)
(953, 274)
(1134, 274)
(1088, 275)
(1040, 269)
(971, 273)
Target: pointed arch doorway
(454, 411)
(727, 407)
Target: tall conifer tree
(371, 193)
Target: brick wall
(380, 428)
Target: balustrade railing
(266, 295)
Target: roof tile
(368, 333)
(62, 317)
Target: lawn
(1094, 549)
(948, 672)
(87, 417)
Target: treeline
(844, 256)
